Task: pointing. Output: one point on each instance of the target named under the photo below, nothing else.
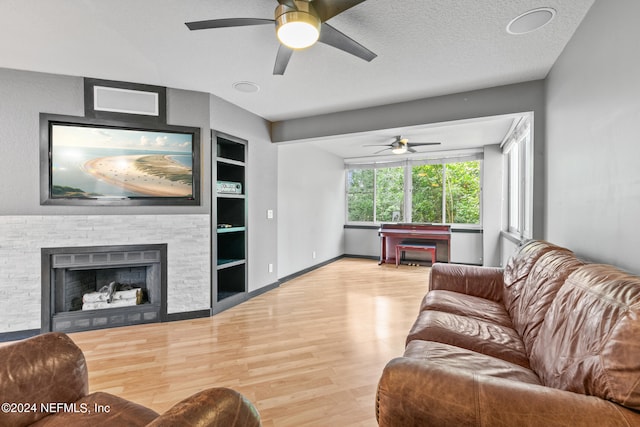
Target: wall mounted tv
(101, 162)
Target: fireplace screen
(98, 287)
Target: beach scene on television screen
(96, 162)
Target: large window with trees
(360, 195)
(426, 197)
(462, 193)
(433, 191)
(389, 194)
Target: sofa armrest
(43, 369)
(213, 407)
(415, 392)
(484, 282)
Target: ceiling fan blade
(227, 22)
(378, 152)
(417, 144)
(327, 9)
(282, 60)
(377, 145)
(411, 150)
(329, 35)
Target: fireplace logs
(113, 295)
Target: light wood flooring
(308, 353)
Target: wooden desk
(394, 234)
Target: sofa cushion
(472, 361)
(539, 290)
(483, 282)
(466, 305)
(121, 412)
(470, 333)
(588, 342)
(518, 268)
(437, 384)
(418, 393)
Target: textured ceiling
(425, 48)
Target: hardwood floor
(308, 353)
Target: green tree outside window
(439, 193)
(390, 194)
(360, 191)
(426, 201)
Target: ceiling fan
(299, 24)
(402, 145)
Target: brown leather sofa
(44, 382)
(548, 341)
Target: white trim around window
(518, 152)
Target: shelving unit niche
(234, 278)
(230, 213)
(230, 246)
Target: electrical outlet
(313, 254)
(270, 268)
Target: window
(389, 194)
(434, 191)
(514, 188)
(518, 151)
(426, 197)
(360, 195)
(462, 193)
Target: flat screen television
(102, 162)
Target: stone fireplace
(95, 287)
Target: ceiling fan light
(401, 149)
(297, 29)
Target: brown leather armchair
(44, 382)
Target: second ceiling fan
(299, 24)
(401, 145)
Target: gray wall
(311, 207)
(261, 186)
(26, 226)
(362, 242)
(593, 147)
(24, 95)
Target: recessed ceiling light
(246, 87)
(531, 20)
